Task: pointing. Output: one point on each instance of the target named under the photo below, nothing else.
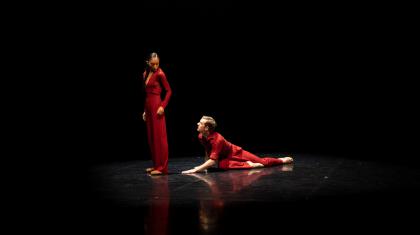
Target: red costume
(231, 156)
(156, 124)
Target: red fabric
(231, 156)
(156, 124)
(217, 147)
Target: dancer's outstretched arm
(202, 167)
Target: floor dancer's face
(200, 126)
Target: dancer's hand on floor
(189, 171)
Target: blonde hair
(210, 122)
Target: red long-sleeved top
(156, 84)
(218, 147)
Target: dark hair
(152, 55)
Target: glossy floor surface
(315, 193)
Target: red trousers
(240, 161)
(156, 133)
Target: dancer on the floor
(154, 114)
(225, 155)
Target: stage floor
(312, 193)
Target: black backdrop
(285, 79)
(326, 79)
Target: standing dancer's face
(154, 64)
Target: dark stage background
(322, 79)
(286, 80)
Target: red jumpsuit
(231, 156)
(156, 124)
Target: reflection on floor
(315, 193)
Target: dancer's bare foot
(148, 170)
(156, 172)
(286, 159)
(254, 165)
